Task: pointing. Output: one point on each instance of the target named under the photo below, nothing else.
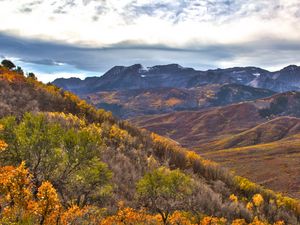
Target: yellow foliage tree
(48, 204)
(19, 204)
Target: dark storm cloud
(265, 53)
(48, 62)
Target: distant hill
(131, 103)
(195, 128)
(192, 128)
(270, 131)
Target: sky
(79, 38)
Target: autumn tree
(164, 191)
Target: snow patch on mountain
(253, 83)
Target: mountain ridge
(138, 77)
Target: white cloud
(185, 23)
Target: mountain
(261, 134)
(175, 76)
(135, 90)
(65, 162)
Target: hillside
(196, 128)
(274, 164)
(204, 126)
(64, 162)
(270, 131)
(132, 103)
(263, 124)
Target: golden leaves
(3, 145)
(233, 198)
(257, 200)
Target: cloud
(103, 23)
(51, 60)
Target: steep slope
(47, 141)
(131, 103)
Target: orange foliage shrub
(213, 221)
(48, 204)
(179, 218)
(130, 216)
(239, 222)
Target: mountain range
(135, 90)
(174, 75)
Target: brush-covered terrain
(64, 162)
(258, 139)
